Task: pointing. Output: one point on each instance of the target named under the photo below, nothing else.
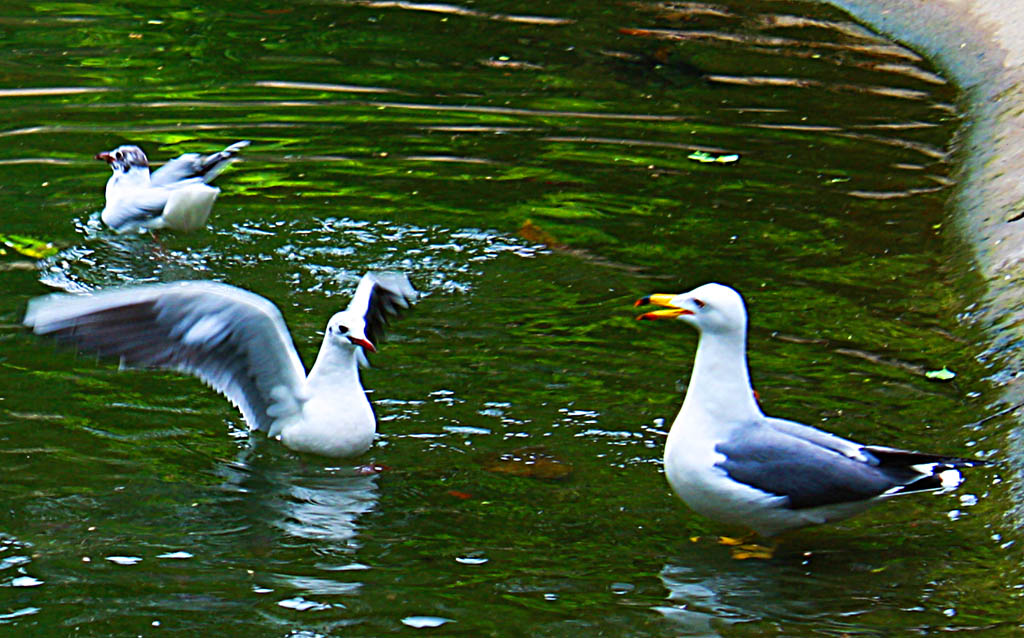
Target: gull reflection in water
(698, 599)
(708, 598)
(312, 507)
(324, 508)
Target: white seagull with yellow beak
(730, 462)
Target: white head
(124, 158)
(347, 330)
(711, 308)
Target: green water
(531, 175)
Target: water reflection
(15, 575)
(842, 585)
(707, 600)
(449, 140)
(15, 557)
(698, 605)
(314, 508)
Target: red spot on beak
(668, 313)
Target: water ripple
(461, 11)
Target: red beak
(364, 343)
(106, 157)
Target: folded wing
(135, 208)
(821, 469)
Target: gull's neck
(336, 419)
(719, 389)
(336, 367)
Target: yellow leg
(753, 550)
(729, 541)
(742, 548)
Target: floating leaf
(940, 375)
(531, 462)
(28, 246)
(711, 158)
(533, 233)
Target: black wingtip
(388, 298)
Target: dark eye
(700, 304)
(343, 330)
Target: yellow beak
(660, 299)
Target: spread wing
(380, 296)
(234, 340)
(812, 468)
(192, 165)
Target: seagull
(728, 461)
(177, 196)
(237, 342)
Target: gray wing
(379, 297)
(827, 440)
(234, 340)
(811, 468)
(192, 165)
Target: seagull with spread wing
(177, 196)
(730, 462)
(237, 342)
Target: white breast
(332, 425)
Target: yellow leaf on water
(713, 158)
(29, 246)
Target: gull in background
(237, 342)
(728, 461)
(177, 196)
